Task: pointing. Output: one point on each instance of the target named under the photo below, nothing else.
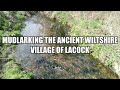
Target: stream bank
(57, 66)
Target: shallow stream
(57, 66)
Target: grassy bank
(94, 23)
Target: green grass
(78, 23)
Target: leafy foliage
(12, 70)
(11, 23)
